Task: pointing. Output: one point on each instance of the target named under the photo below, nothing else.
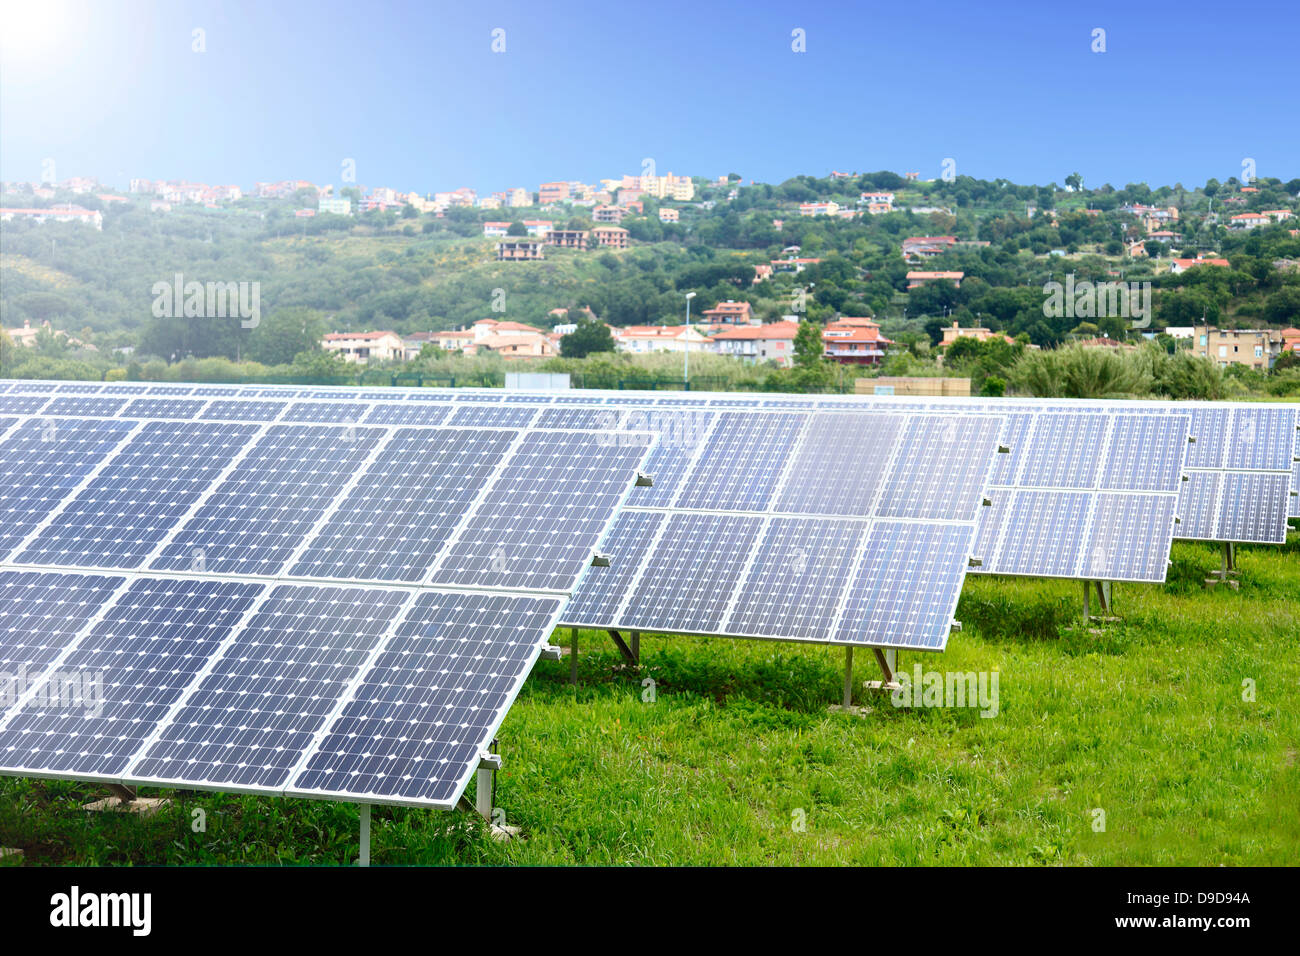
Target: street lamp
(687, 342)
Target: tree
(589, 336)
(1074, 181)
(809, 348)
(285, 333)
(516, 228)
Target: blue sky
(415, 95)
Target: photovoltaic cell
(163, 408)
(1041, 531)
(1254, 507)
(1064, 451)
(596, 601)
(94, 407)
(681, 436)
(41, 462)
(254, 715)
(22, 404)
(259, 514)
(415, 413)
(141, 656)
(242, 410)
(1128, 538)
(413, 729)
(544, 514)
(41, 613)
(1146, 453)
(939, 471)
(880, 612)
(793, 587)
(839, 464)
(406, 505)
(741, 462)
(342, 413)
(500, 416)
(118, 519)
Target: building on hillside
(925, 247)
(538, 227)
(641, 339)
(876, 203)
(729, 313)
(62, 213)
(1290, 343)
(567, 238)
(1182, 265)
(915, 279)
(792, 265)
(1277, 215)
(1248, 220)
(513, 250)
(337, 207)
(669, 215)
(773, 342)
(612, 237)
(496, 229)
(827, 208)
(519, 197)
(978, 333)
(608, 213)
(26, 336)
(365, 348)
(548, 193)
(1256, 348)
(854, 340)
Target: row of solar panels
(206, 658)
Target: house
(26, 336)
(729, 313)
(1290, 343)
(567, 238)
(337, 207)
(792, 265)
(304, 213)
(552, 193)
(1182, 265)
(538, 227)
(363, 348)
(65, 212)
(1277, 215)
(924, 247)
(852, 340)
(669, 215)
(510, 340)
(607, 213)
(759, 343)
(641, 339)
(915, 279)
(761, 271)
(612, 237)
(1256, 348)
(877, 199)
(980, 334)
(496, 229)
(818, 208)
(512, 250)
(1248, 220)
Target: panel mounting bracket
(599, 559)
(550, 653)
(644, 481)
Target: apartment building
(1256, 348)
(364, 348)
(514, 250)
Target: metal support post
(573, 656)
(365, 835)
(848, 677)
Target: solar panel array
(193, 596)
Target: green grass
(1145, 721)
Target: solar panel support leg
(623, 649)
(887, 660)
(848, 677)
(636, 646)
(364, 859)
(573, 656)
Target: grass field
(1146, 721)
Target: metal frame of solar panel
(315, 649)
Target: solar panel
(752, 544)
(215, 660)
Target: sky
(416, 96)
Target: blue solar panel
(1254, 507)
(85, 407)
(253, 717)
(1262, 439)
(1210, 429)
(793, 587)
(163, 408)
(170, 390)
(41, 462)
(415, 726)
(40, 615)
(880, 610)
(687, 585)
(1129, 538)
(681, 436)
(741, 461)
(114, 389)
(242, 410)
(337, 412)
(415, 413)
(499, 416)
(590, 419)
(1146, 453)
(840, 464)
(1064, 451)
(131, 667)
(544, 514)
(256, 518)
(1041, 532)
(211, 391)
(407, 504)
(941, 468)
(596, 601)
(1199, 503)
(22, 404)
(127, 509)
(71, 388)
